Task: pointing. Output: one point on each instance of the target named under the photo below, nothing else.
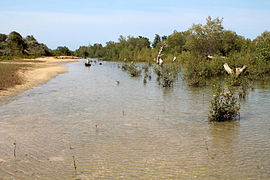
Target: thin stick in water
(74, 163)
(14, 151)
(206, 146)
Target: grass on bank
(9, 75)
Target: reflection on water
(129, 131)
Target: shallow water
(129, 131)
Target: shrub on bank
(9, 76)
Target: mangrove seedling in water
(224, 106)
(147, 73)
(167, 74)
(132, 69)
(14, 150)
(74, 163)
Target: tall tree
(206, 39)
(176, 41)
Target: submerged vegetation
(224, 106)
(132, 69)
(167, 74)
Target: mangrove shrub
(224, 106)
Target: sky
(75, 23)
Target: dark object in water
(87, 64)
(100, 63)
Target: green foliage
(262, 46)
(224, 106)
(256, 68)
(95, 50)
(34, 48)
(130, 48)
(211, 39)
(61, 51)
(175, 42)
(231, 42)
(15, 45)
(167, 74)
(202, 51)
(156, 41)
(206, 39)
(194, 75)
(3, 37)
(132, 69)
(197, 70)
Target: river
(84, 125)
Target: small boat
(87, 63)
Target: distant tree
(206, 39)
(82, 52)
(3, 44)
(137, 42)
(231, 42)
(262, 46)
(62, 51)
(156, 41)
(15, 44)
(163, 38)
(3, 37)
(176, 41)
(34, 48)
(30, 38)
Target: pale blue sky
(83, 22)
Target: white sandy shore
(39, 73)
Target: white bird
(174, 58)
(238, 70)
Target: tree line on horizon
(210, 39)
(202, 50)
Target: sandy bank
(42, 70)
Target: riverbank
(34, 72)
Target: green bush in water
(224, 106)
(133, 70)
(167, 74)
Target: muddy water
(83, 125)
